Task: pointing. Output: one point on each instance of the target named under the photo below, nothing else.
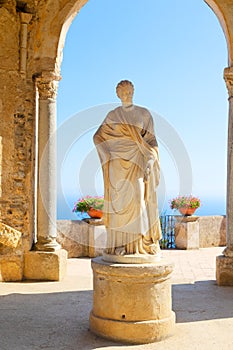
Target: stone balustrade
(82, 238)
(194, 232)
(88, 238)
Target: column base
(224, 270)
(48, 244)
(132, 302)
(141, 332)
(45, 266)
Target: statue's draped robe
(125, 143)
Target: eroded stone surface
(212, 231)
(11, 268)
(81, 238)
(9, 237)
(224, 270)
(200, 232)
(132, 302)
(45, 266)
(187, 233)
(73, 237)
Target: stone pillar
(132, 302)
(224, 263)
(187, 232)
(97, 237)
(47, 84)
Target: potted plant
(185, 204)
(92, 205)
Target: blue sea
(209, 206)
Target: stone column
(228, 75)
(39, 266)
(224, 264)
(47, 85)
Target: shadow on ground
(61, 320)
(47, 321)
(202, 300)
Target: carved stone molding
(228, 77)
(47, 84)
(9, 237)
(47, 244)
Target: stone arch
(48, 35)
(48, 32)
(220, 10)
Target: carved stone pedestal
(45, 266)
(132, 302)
(97, 237)
(187, 232)
(224, 270)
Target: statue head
(125, 90)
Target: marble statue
(128, 152)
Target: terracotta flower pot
(95, 213)
(187, 211)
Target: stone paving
(54, 315)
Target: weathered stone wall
(11, 259)
(212, 231)
(73, 237)
(194, 232)
(17, 106)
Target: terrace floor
(54, 315)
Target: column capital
(47, 84)
(228, 77)
(25, 17)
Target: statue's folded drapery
(126, 143)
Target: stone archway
(223, 10)
(46, 56)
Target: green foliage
(89, 202)
(185, 202)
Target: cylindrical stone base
(132, 302)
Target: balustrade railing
(168, 231)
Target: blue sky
(175, 53)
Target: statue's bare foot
(120, 251)
(154, 249)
